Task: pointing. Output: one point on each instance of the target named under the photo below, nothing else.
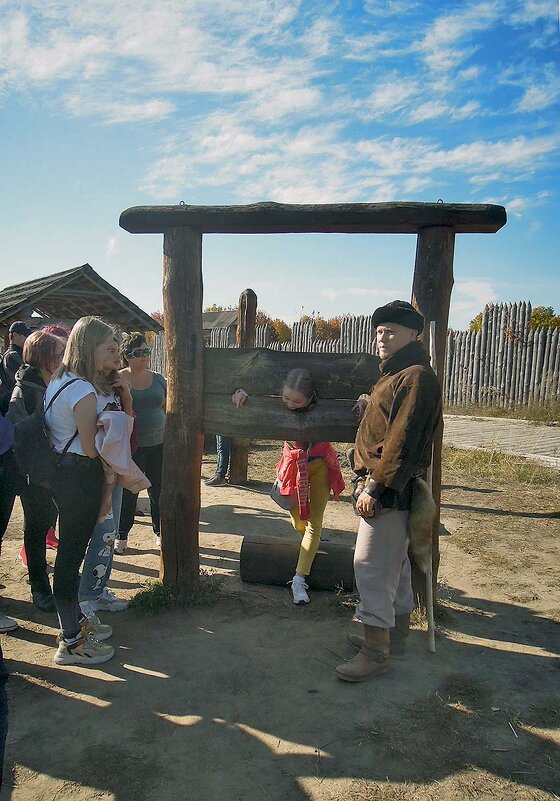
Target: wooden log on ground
(272, 560)
(245, 338)
(431, 295)
(183, 441)
(278, 218)
(260, 371)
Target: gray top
(148, 407)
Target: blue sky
(106, 105)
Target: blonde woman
(76, 394)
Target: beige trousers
(382, 569)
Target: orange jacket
(294, 478)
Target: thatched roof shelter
(66, 296)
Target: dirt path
(238, 702)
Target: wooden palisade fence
(505, 364)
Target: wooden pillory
(199, 397)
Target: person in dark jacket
(393, 445)
(42, 354)
(11, 361)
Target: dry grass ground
(236, 701)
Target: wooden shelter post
(183, 441)
(431, 295)
(245, 338)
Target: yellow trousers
(319, 491)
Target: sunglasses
(137, 353)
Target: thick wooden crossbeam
(260, 371)
(268, 418)
(284, 218)
(338, 379)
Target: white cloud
(441, 45)
(468, 299)
(390, 96)
(114, 112)
(389, 8)
(540, 96)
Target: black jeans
(39, 511)
(77, 494)
(149, 460)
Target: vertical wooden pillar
(183, 442)
(431, 295)
(245, 338)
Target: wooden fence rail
(505, 363)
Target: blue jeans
(223, 450)
(3, 712)
(98, 561)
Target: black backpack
(5, 388)
(34, 453)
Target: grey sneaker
(107, 601)
(120, 546)
(7, 624)
(86, 651)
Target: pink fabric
(113, 445)
(294, 477)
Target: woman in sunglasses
(149, 391)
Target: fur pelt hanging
(420, 523)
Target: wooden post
(183, 441)
(246, 338)
(431, 295)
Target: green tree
(544, 317)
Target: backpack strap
(46, 409)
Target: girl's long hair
(79, 356)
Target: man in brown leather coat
(393, 444)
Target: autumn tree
(217, 308)
(282, 330)
(157, 315)
(544, 317)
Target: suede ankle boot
(397, 637)
(371, 660)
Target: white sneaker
(158, 541)
(298, 590)
(92, 624)
(120, 546)
(7, 624)
(107, 601)
(86, 651)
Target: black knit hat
(400, 312)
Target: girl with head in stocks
(307, 470)
(149, 390)
(79, 479)
(42, 356)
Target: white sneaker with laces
(299, 588)
(120, 546)
(92, 624)
(86, 651)
(107, 601)
(7, 624)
